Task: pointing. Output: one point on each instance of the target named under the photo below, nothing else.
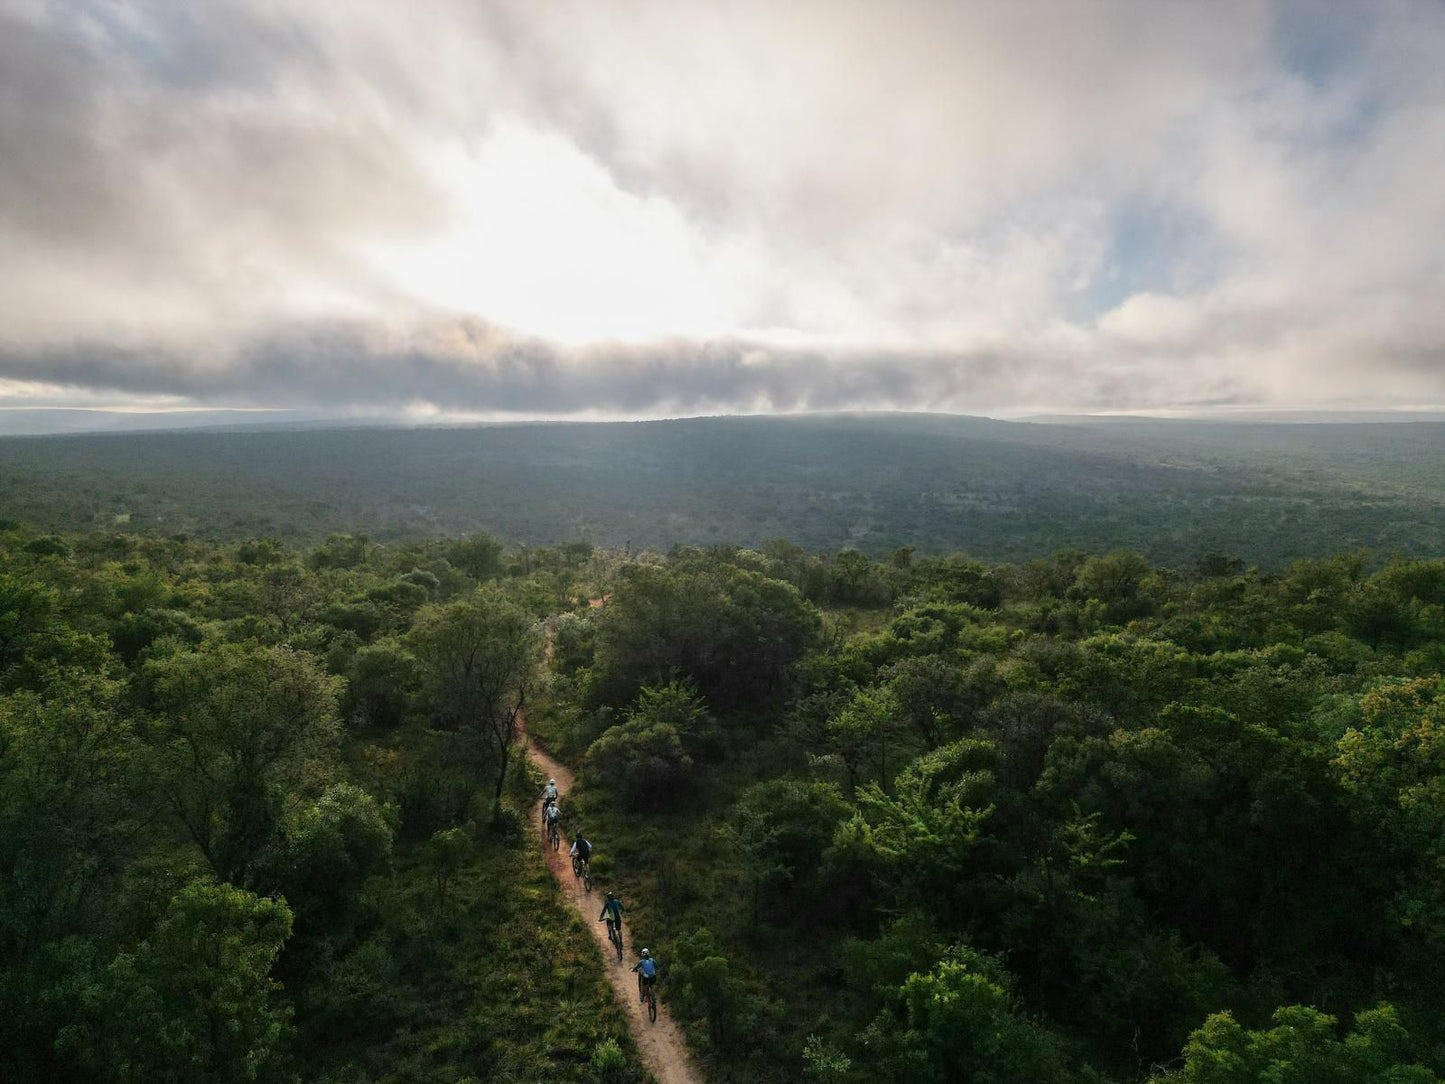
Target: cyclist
(646, 969)
(612, 912)
(551, 816)
(581, 852)
(549, 792)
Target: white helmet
(645, 954)
(553, 782)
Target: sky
(558, 208)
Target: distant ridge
(47, 421)
(55, 421)
(1249, 417)
(999, 490)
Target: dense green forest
(250, 822)
(1084, 818)
(1002, 491)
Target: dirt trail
(663, 1051)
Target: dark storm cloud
(470, 368)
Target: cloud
(647, 208)
(468, 368)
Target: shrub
(608, 1062)
(641, 761)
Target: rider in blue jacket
(646, 969)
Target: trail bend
(664, 1053)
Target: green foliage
(784, 828)
(1116, 581)
(920, 840)
(1157, 794)
(195, 1000)
(446, 852)
(1394, 762)
(1302, 1048)
(479, 556)
(998, 491)
(383, 678)
(732, 631)
(704, 981)
(643, 761)
(825, 1063)
(478, 658)
(608, 1063)
(330, 848)
(70, 808)
(960, 1021)
(240, 727)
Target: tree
(384, 678)
(287, 594)
(446, 853)
(921, 839)
(478, 555)
(71, 804)
(479, 658)
(960, 1021)
(783, 828)
(1393, 765)
(1116, 580)
(706, 984)
(931, 695)
(862, 733)
(27, 609)
(732, 631)
(239, 729)
(642, 760)
(194, 1003)
(331, 846)
(1302, 1048)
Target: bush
(642, 762)
(706, 984)
(447, 851)
(384, 676)
(608, 1062)
(331, 847)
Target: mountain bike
(582, 868)
(553, 836)
(614, 934)
(647, 991)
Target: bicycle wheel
(587, 879)
(652, 1003)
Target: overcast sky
(645, 209)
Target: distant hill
(39, 421)
(996, 489)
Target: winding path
(663, 1051)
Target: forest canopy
(1083, 818)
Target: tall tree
(480, 657)
(241, 727)
(195, 1001)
